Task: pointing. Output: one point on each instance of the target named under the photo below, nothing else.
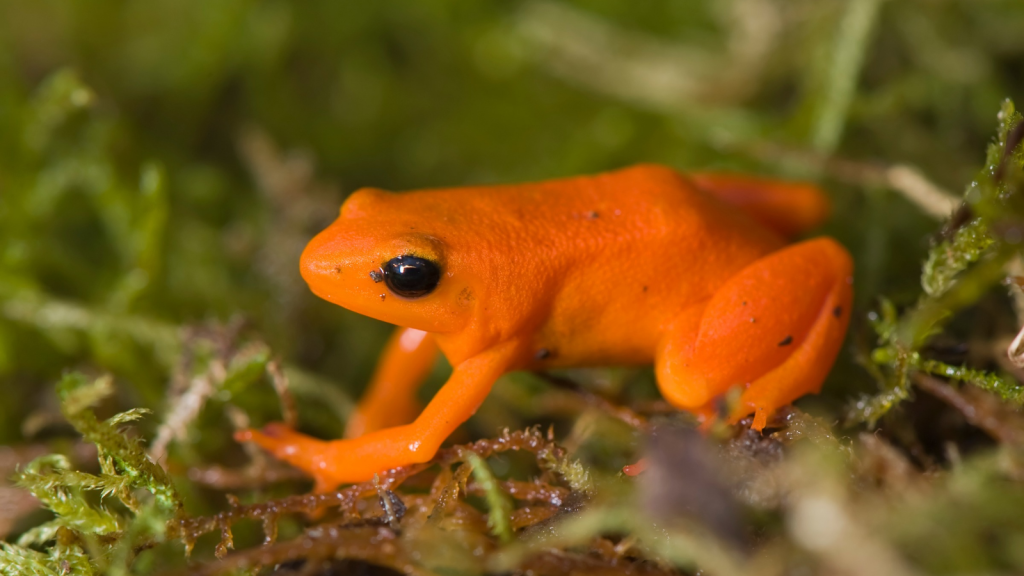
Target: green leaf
(498, 504)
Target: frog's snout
(318, 263)
(323, 264)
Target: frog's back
(640, 204)
(640, 246)
(597, 265)
(645, 215)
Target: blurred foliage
(110, 537)
(163, 163)
(986, 229)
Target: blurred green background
(162, 163)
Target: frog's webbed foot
(775, 327)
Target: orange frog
(641, 265)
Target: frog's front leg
(776, 328)
(390, 399)
(336, 462)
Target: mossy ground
(162, 164)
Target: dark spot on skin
(337, 269)
(543, 354)
(645, 288)
(744, 302)
(591, 215)
(377, 275)
(837, 311)
(465, 296)
(786, 341)
(382, 296)
(752, 320)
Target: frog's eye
(411, 277)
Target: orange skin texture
(642, 265)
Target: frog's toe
(273, 432)
(299, 450)
(635, 469)
(761, 414)
(322, 461)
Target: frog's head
(380, 258)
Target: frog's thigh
(390, 399)
(777, 326)
(786, 207)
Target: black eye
(411, 277)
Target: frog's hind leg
(776, 328)
(788, 208)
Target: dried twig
(978, 408)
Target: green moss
(957, 274)
(952, 257)
(110, 533)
